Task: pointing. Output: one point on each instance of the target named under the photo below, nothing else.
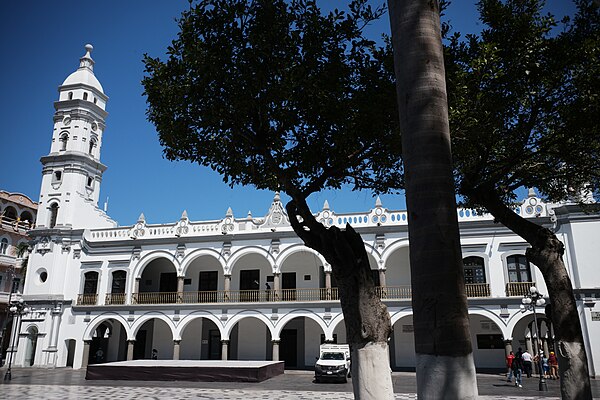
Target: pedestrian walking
(527, 359)
(509, 360)
(553, 361)
(517, 366)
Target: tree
(278, 95)
(524, 113)
(440, 314)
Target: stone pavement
(63, 383)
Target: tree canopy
(524, 102)
(279, 95)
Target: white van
(333, 363)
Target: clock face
(66, 121)
(94, 126)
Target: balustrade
(518, 288)
(87, 299)
(271, 295)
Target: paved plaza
(63, 383)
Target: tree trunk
(546, 253)
(367, 320)
(444, 355)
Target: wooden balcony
(115, 298)
(518, 288)
(477, 289)
(284, 295)
(87, 299)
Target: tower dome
(85, 73)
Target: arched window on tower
(85, 95)
(92, 145)
(64, 138)
(70, 95)
(53, 215)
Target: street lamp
(530, 300)
(17, 309)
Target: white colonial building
(246, 288)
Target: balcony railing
(518, 288)
(473, 290)
(115, 298)
(87, 299)
(477, 289)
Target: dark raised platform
(186, 370)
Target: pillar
(507, 346)
(180, 280)
(328, 285)
(277, 285)
(227, 286)
(275, 350)
(136, 290)
(86, 353)
(176, 347)
(224, 349)
(382, 278)
(130, 346)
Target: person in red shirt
(509, 359)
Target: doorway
(70, 352)
(249, 284)
(288, 284)
(288, 349)
(214, 344)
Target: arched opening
(158, 283)
(31, 346)
(90, 288)
(27, 218)
(475, 279)
(531, 338)
(154, 340)
(488, 344)
(339, 333)
(250, 339)
(299, 343)
(109, 343)
(117, 290)
(251, 272)
(397, 274)
(10, 214)
(70, 344)
(92, 145)
(300, 277)
(402, 345)
(70, 95)
(200, 340)
(203, 280)
(53, 215)
(64, 138)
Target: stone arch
(256, 341)
(249, 269)
(488, 336)
(306, 313)
(95, 323)
(148, 317)
(187, 260)
(138, 269)
(397, 266)
(200, 334)
(294, 249)
(522, 335)
(187, 319)
(402, 342)
(247, 250)
(107, 335)
(154, 334)
(300, 334)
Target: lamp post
(530, 300)
(17, 309)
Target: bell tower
(72, 172)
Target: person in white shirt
(527, 358)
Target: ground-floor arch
(299, 342)
(201, 340)
(108, 343)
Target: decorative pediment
(276, 217)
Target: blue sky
(40, 45)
